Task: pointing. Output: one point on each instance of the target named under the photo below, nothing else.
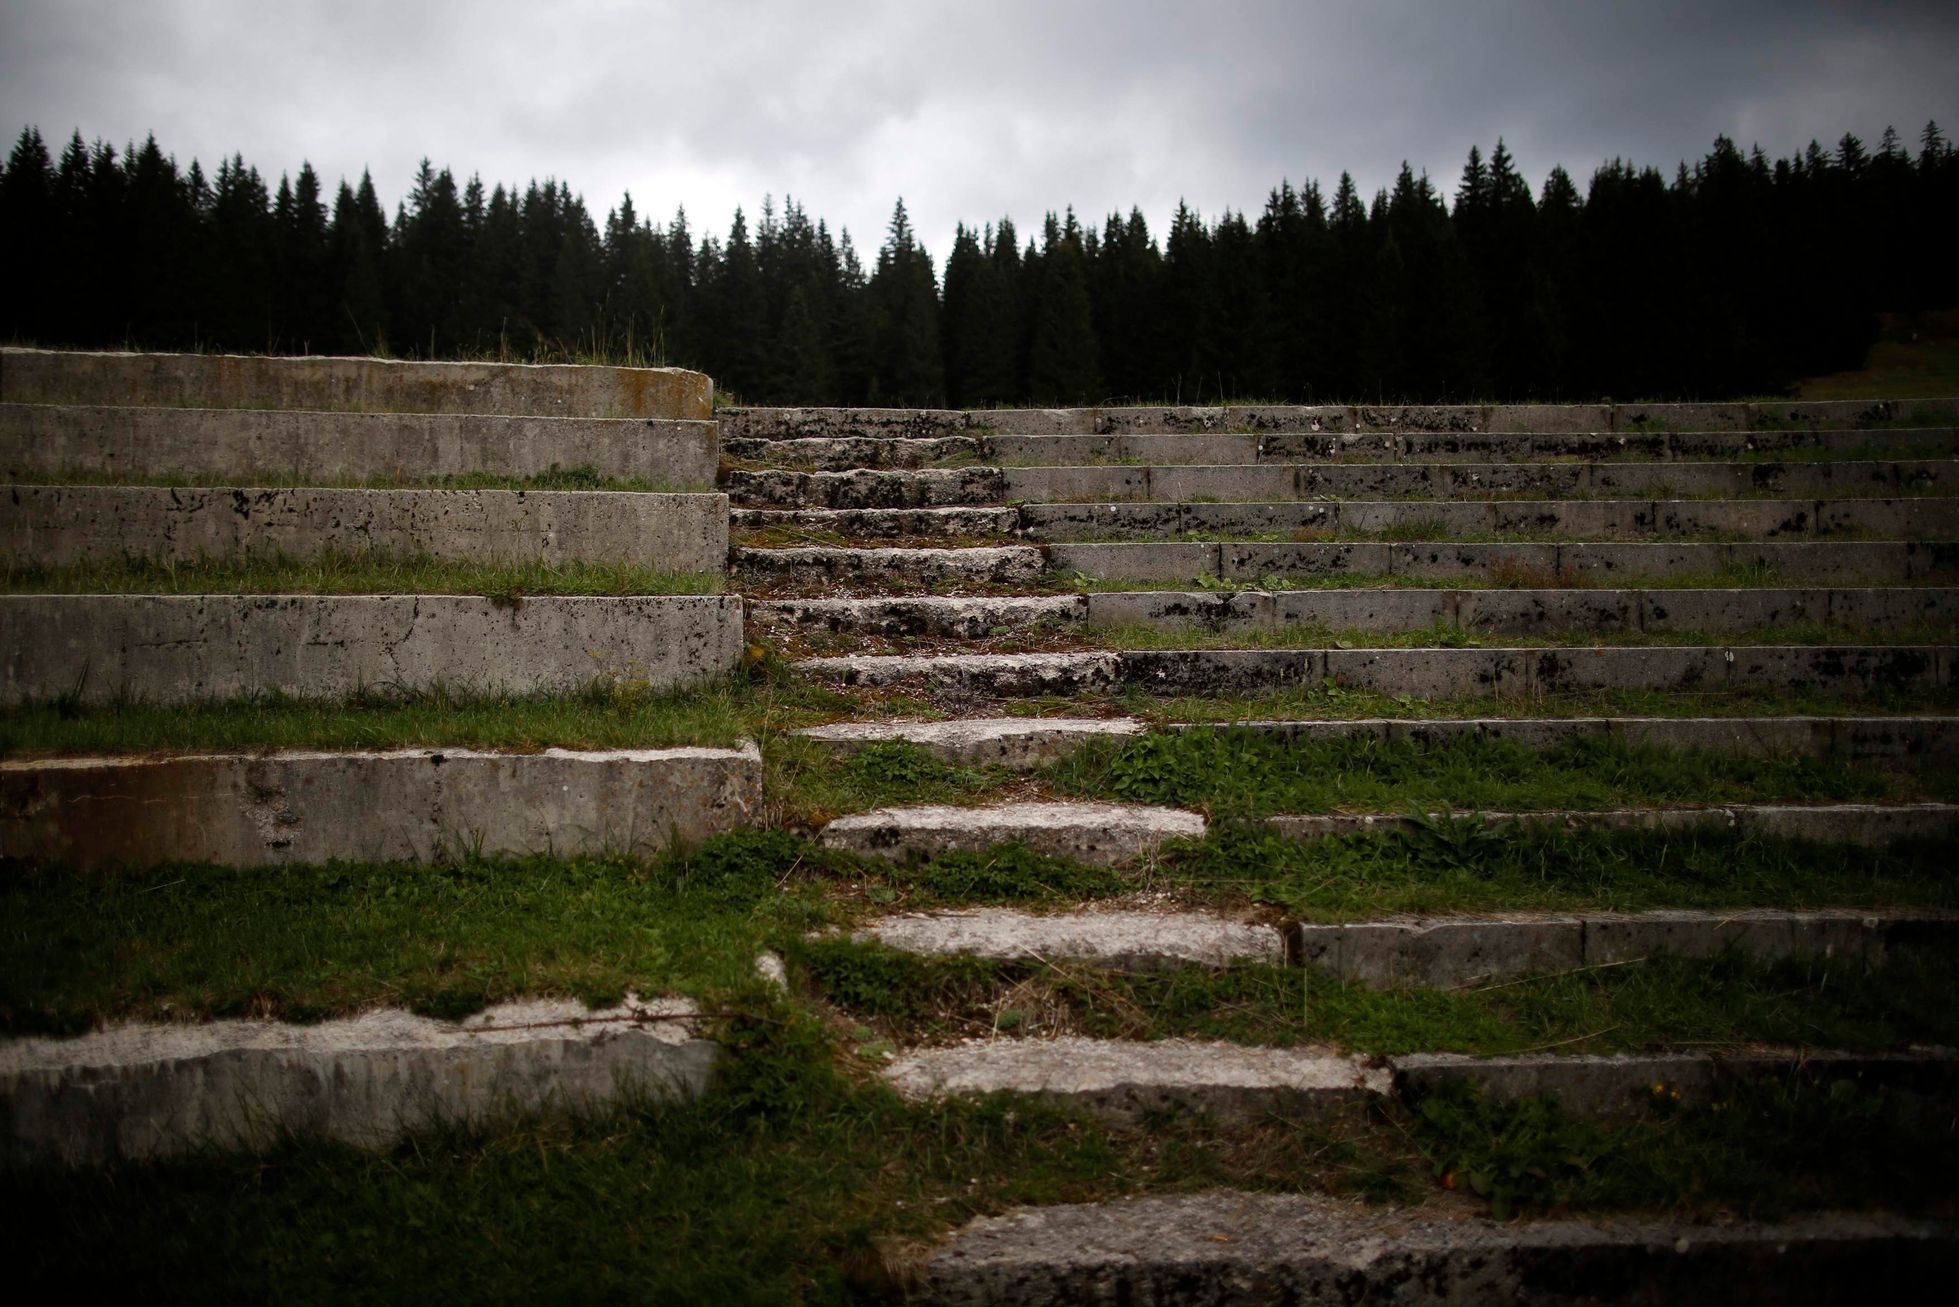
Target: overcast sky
(967, 110)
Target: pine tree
(907, 368)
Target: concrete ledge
(846, 453)
(1448, 952)
(232, 445)
(1124, 941)
(33, 376)
(1102, 834)
(1127, 1080)
(1001, 565)
(140, 1092)
(1622, 1084)
(1017, 743)
(57, 525)
(867, 488)
(1429, 673)
(932, 615)
(1862, 738)
(840, 423)
(1868, 824)
(247, 810)
(1231, 1248)
(883, 523)
(173, 648)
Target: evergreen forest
(1737, 275)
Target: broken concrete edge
(1847, 823)
(1117, 939)
(300, 807)
(141, 1091)
(297, 446)
(1225, 1246)
(56, 526)
(185, 648)
(334, 383)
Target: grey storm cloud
(971, 110)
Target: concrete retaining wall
(173, 648)
(33, 376)
(247, 810)
(55, 525)
(137, 1092)
(229, 446)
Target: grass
(1660, 1002)
(308, 942)
(1246, 774)
(1914, 357)
(340, 572)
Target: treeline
(1737, 275)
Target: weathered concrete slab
(1455, 952)
(58, 525)
(1101, 834)
(173, 648)
(1127, 1080)
(941, 616)
(1622, 1084)
(867, 488)
(843, 453)
(33, 376)
(836, 423)
(1231, 1248)
(1006, 675)
(248, 810)
(1178, 609)
(1123, 941)
(230, 446)
(1000, 565)
(136, 1092)
(1016, 743)
(1257, 560)
(882, 523)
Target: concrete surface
(1097, 833)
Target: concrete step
(1837, 479)
(1546, 419)
(1356, 449)
(174, 648)
(1017, 743)
(1128, 1080)
(34, 376)
(880, 523)
(1309, 1251)
(1529, 563)
(818, 564)
(1438, 952)
(58, 525)
(1582, 519)
(1833, 823)
(1457, 952)
(1101, 834)
(1422, 673)
(941, 616)
(1025, 743)
(1278, 482)
(138, 1092)
(1118, 940)
(217, 446)
(1510, 612)
(414, 805)
(845, 453)
(925, 488)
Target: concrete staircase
(1023, 585)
